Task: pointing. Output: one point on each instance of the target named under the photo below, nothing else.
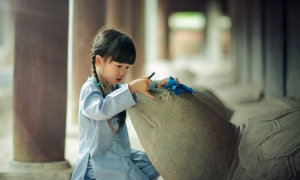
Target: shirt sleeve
(96, 107)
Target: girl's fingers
(177, 80)
(149, 81)
(148, 94)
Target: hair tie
(98, 84)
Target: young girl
(104, 147)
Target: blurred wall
(265, 44)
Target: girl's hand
(141, 85)
(163, 82)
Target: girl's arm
(94, 106)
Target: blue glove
(178, 89)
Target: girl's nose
(123, 72)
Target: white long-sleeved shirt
(110, 155)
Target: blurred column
(275, 47)
(213, 41)
(89, 17)
(114, 13)
(257, 42)
(150, 35)
(232, 8)
(128, 16)
(163, 29)
(40, 82)
(243, 28)
(138, 36)
(292, 47)
(127, 23)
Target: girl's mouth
(118, 80)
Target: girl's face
(110, 72)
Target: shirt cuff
(134, 97)
(153, 85)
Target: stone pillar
(127, 23)
(232, 8)
(242, 14)
(40, 90)
(89, 17)
(151, 40)
(138, 32)
(40, 80)
(129, 17)
(40, 83)
(213, 43)
(243, 59)
(274, 48)
(163, 29)
(114, 13)
(292, 47)
(257, 43)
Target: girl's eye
(119, 66)
(127, 67)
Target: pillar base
(35, 171)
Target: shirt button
(116, 138)
(119, 139)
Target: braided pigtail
(122, 118)
(94, 68)
(95, 74)
(122, 115)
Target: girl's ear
(99, 60)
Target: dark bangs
(121, 50)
